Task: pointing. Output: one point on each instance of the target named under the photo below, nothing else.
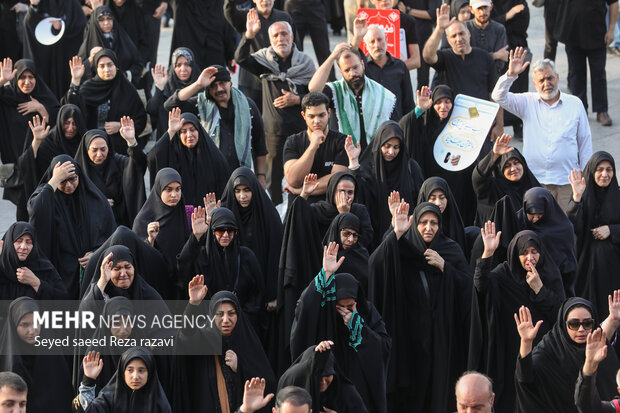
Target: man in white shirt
(556, 132)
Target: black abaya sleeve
(134, 192)
(52, 287)
(414, 137)
(367, 233)
(186, 106)
(482, 182)
(41, 211)
(186, 260)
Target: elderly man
(556, 132)
(360, 103)
(284, 72)
(230, 118)
(385, 69)
(466, 69)
(474, 393)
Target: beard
(550, 94)
(356, 82)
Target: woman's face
(106, 69)
(243, 194)
(513, 170)
(428, 225)
(226, 318)
(348, 237)
(534, 218)
(579, 314)
(26, 82)
(98, 151)
(224, 236)
(106, 23)
(189, 135)
(529, 258)
(438, 197)
(26, 329)
(121, 326)
(171, 195)
(183, 69)
(464, 14)
(346, 187)
(69, 185)
(122, 274)
(390, 149)
(69, 128)
(443, 107)
(603, 174)
(23, 245)
(325, 382)
(136, 374)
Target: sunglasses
(574, 324)
(347, 234)
(222, 231)
(72, 179)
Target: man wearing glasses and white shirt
(556, 132)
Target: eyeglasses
(349, 234)
(574, 324)
(222, 231)
(72, 180)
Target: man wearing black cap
(230, 118)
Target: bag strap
(616, 404)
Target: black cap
(222, 74)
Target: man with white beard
(556, 132)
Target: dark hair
(13, 381)
(314, 99)
(349, 52)
(294, 395)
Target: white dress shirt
(556, 138)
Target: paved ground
(604, 138)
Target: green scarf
(377, 106)
(210, 120)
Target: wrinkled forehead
(279, 28)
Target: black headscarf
(260, 226)
(203, 167)
(119, 177)
(68, 226)
(51, 286)
(306, 372)
(173, 224)
(451, 221)
(555, 230)
(118, 397)
(223, 262)
(556, 362)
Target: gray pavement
(603, 138)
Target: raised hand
(105, 272)
(199, 222)
(175, 123)
(402, 220)
(514, 11)
(596, 351)
(311, 182)
(152, 229)
(127, 130)
(77, 69)
(360, 28)
(7, 73)
(614, 306)
(210, 203)
(197, 289)
(331, 263)
(490, 239)
(252, 24)
(527, 330)
(253, 392)
(92, 365)
(393, 202)
(343, 204)
(38, 128)
(61, 172)
(577, 183)
(324, 346)
(206, 77)
(533, 279)
(502, 145)
(443, 17)
(424, 98)
(516, 62)
(160, 76)
(353, 151)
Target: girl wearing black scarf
(317, 371)
(421, 132)
(182, 72)
(385, 167)
(206, 383)
(135, 387)
(52, 59)
(119, 177)
(503, 172)
(107, 97)
(193, 153)
(48, 376)
(72, 218)
(24, 269)
(419, 280)
(593, 210)
(437, 191)
(26, 96)
(42, 145)
(104, 31)
(545, 376)
(333, 307)
(163, 222)
(499, 293)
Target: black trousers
(551, 44)
(274, 172)
(578, 76)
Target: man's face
(546, 82)
(12, 401)
(482, 14)
(287, 407)
(220, 91)
(263, 6)
(376, 44)
(383, 4)
(316, 117)
(281, 39)
(352, 70)
(458, 37)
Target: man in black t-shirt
(316, 150)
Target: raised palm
(160, 76)
(199, 223)
(174, 121)
(596, 346)
(489, 237)
(614, 305)
(527, 330)
(311, 182)
(517, 63)
(353, 150)
(393, 202)
(76, 67)
(443, 17)
(424, 98)
(252, 24)
(38, 128)
(253, 395)
(92, 365)
(197, 289)
(128, 132)
(402, 221)
(577, 182)
(502, 145)
(6, 70)
(331, 263)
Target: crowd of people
(390, 283)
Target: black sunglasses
(574, 324)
